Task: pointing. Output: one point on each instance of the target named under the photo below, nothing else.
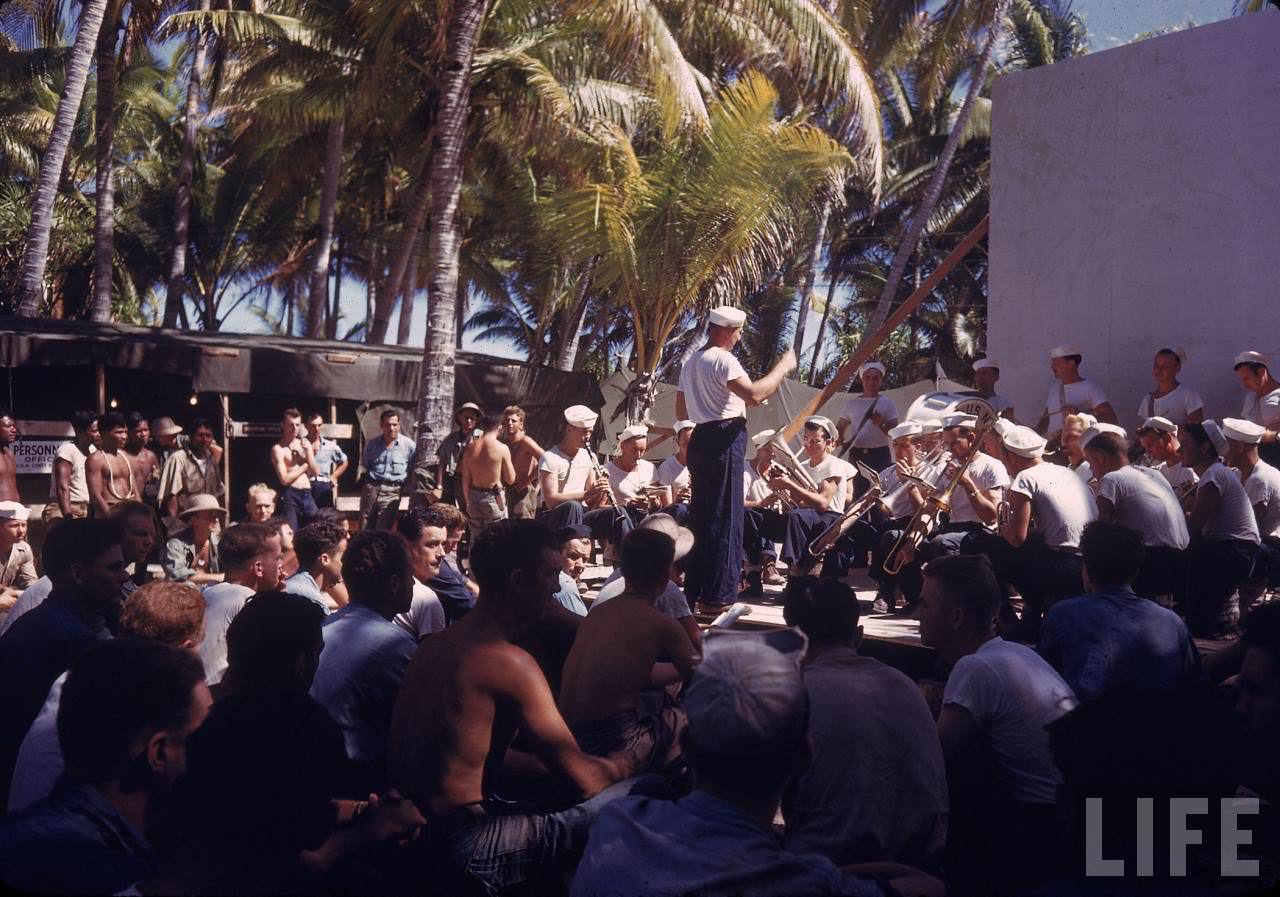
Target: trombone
(791, 465)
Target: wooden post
(225, 401)
(869, 345)
(100, 375)
(333, 411)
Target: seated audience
(1111, 638)
(261, 505)
(746, 736)
(84, 561)
(456, 593)
(165, 612)
(575, 553)
(999, 697)
(1257, 704)
(366, 654)
(288, 556)
(17, 560)
(140, 527)
(319, 546)
(251, 557)
(672, 601)
(876, 788)
(273, 644)
(464, 695)
(192, 554)
(127, 710)
(622, 649)
(425, 533)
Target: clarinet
(599, 474)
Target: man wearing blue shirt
(387, 460)
(331, 463)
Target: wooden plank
(872, 343)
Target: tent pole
(225, 402)
(100, 375)
(333, 410)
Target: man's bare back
(614, 655)
(487, 461)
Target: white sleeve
(1096, 395)
(972, 686)
(1107, 488)
(732, 368)
(1269, 410)
(993, 476)
(673, 602)
(892, 414)
(1023, 485)
(1194, 402)
(1256, 489)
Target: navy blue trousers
(715, 510)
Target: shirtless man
(293, 459)
(485, 470)
(522, 495)
(8, 467)
(616, 655)
(143, 461)
(465, 694)
(108, 473)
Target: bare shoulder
(529, 444)
(502, 667)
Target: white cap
(931, 426)
(1088, 420)
(1179, 351)
(960, 420)
(1251, 357)
(1159, 424)
(632, 432)
(762, 437)
(1003, 427)
(727, 316)
(1214, 432)
(1098, 429)
(984, 363)
(871, 366)
(1245, 431)
(744, 698)
(908, 428)
(1064, 351)
(665, 523)
(825, 422)
(13, 510)
(1024, 441)
(580, 416)
(682, 425)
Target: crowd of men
(428, 699)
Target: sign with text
(35, 455)
(240, 428)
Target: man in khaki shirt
(194, 470)
(19, 570)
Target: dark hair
(8, 412)
(109, 420)
(133, 418)
(1113, 445)
(508, 546)
(242, 544)
(1171, 353)
(969, 581)
(1251, 365)
(1262, 629)
(198, 423)
(290, 412)
(317, 538)
(265, 640)
(411, 523)
(1112, 553)
(82, 420)
(371, 559)
(116, 691)
(388, 414)
(78, 541)
(309, 417)
(1076, 358)
(645, 557)
(490, 422)
(826, 610)
(1200, 436)
(130, 508)
(573, 531)
(166, 612)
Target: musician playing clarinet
(574, 489)
(821, 500)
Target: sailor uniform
(804, 524)
(572, 475)
(1222, 555)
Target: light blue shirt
(568, 595)
(329, 457)
(361, 666)
(304, 584)
(389, 463)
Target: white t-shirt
(1061, 504)
(223, 601)
(704, 380)
(1144, 501)
(831, 468)
(1177, 406)
(1178, 475)
(571, 473)
(1084, 471)
(39, 762)
(999, 404)
(987, 473)
(672, 473)
(31, 598)
(78, 486)
(627, 484)
(1012, 694)
(870, 436)
(1263, 488)
(1264, 410)
(425, 615)
(671, 602)
(754, 486)
(1234, 518)
(1083, 395)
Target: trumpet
(921, 471)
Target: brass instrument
(933, 462)
(926, 519)
(824, 541)
(792, 466)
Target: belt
(378, 482)
(490, 490)
(1067, 549)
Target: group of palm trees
(579, 178)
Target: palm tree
(36, 255)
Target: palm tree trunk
(807, 279)
(186, 174)
(104, 215)
(414, 222)
(318, 289)
(822, 329)
(435, 403)
(572, 335)
(36, 255)
(934, 190)
(331, 322)
(408, 301)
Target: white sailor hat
(1003, 426)
(1087, 420)
(907, 428)
(1159, 424)
(632, 432)
(1245, 431)
(13, 510)
(682, 425)
(871, 366)
(1064, 351)
(727, 316)
(762, 437)
(1098, 429)
(960, 420)
(1214, 432)
(1024, 441)
(1251, 357)
(818, 420)
(984, 363)
(580, 416)
(1179, 351)
(931, 426)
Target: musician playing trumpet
(819, 501)
(575, 491)
(904, 497)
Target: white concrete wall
(1135, 202)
